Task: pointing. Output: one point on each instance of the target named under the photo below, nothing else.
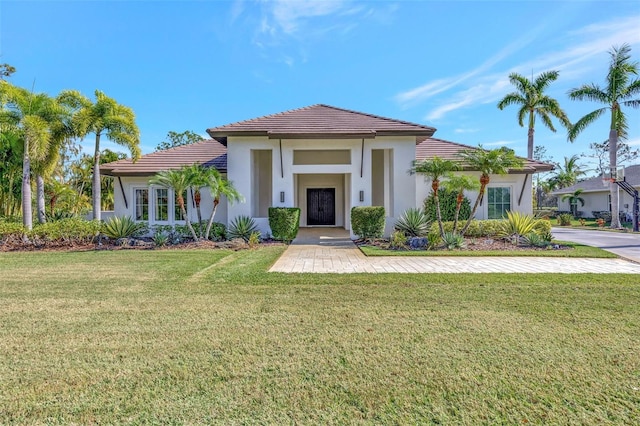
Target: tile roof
(594, 184)
(318, 121)
(449, 151)
(207, 152)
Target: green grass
(199, 336)
(576, 250)
(592, 225)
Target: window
(177, 213)
(498, 202)
(161, 211)
(142, 204)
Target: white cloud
(461, 130)
(499, 143)
(634, 142)
(478, 86)
(289, 15)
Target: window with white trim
(142, 204)
(498, 201)
(161, 205)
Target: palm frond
(583, 123)
(590, 92)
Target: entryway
(321, 206)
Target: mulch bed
(471, 244)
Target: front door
(321, 206)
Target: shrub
(123, 227)
(565, 219)
(398, 240)
(433, 240)
(604, 215)
(65, 231)
(368, 222)
(284, 223)
(477, 228)
(542, 226)
(218, 232)
(448, 201)
(11, 232)
(413, 223)
(160, 239)
(452, 241)
(254, 240)
(58, 215)
(418, 243)
(535, 240)
(242, 227)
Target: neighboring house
(596, 194)
(322, 159)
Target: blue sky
(190, 65)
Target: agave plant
(517, 224)
(413, 223)
(242, 227)
(121, 227)
(535, 240)
(453, 241)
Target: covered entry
(321, 206)
(322, 199)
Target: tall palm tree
(11, 146)
(32, 115)
(103, 117)
(574, 198)
(620, 90)
(198, 176)
(533, 102)
(459, 184)
(568, 173)
(434, 169)
(488, 162)
(219, 186)
(179, 181)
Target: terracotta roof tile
(449, 151)
(207, 152)
(320, 120)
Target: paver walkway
(329, 250)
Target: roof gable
(320, 120)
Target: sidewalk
(329, 250)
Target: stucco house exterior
(323, 159)
(596, 195)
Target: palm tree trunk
(186, 218)
(435, 186)
(458, 206)
(483, 186)
(530, 144)
(40, 199)
(613, 187)
(95, 190)
(27, 217)
(213, 213)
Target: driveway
(625, 245)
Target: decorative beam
(362, 159)
(281, 165)
(524, 184)
(126, 204)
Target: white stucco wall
(513, 181)
(598, 201)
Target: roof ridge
(395, 120)
(267, 116)
(163, 151)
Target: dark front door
(321, 206)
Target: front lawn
(202, 337)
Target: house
(322, 159)
(595, 194)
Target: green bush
(11, 231)
(65, 231)
(398, 240)
(448, 201)
(284, 223)
(542, 227)
(565, 219)
(414, 223)
(123, 227)
(160, 239)
(516, 225)
(368, 222)
(453, 241)
(535, 240)
(477, 228)
(242, 227)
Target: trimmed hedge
(368, 222)
(66, 231)
(448, 201)
(284, 223)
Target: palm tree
(459, 184)
(619, 91)
(496, 161)
(11, 146)
(103, 117)
(533, 102)
(219, 185)
(179, 181)
(32, 115)
(199, 179)
(574, 198)
(568, 173)
(434, 169)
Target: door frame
(331, 205)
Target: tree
(567, 174)
(179, 181)
(103, 117)
(11, 146)
(34, 116)
(620, 90)
(574, 198)
(219, 186)
(459, 184)
(533, 102)
(488, 162)
(198, 178)
(600, 152)
(540, 154)
(179, 139)
(434, 169)
(6, 70)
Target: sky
(192, 65)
